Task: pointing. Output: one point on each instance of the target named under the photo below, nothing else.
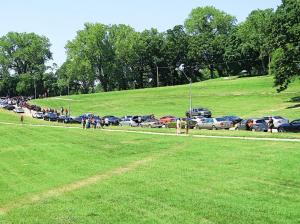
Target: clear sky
(60, 19)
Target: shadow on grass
(294, 100)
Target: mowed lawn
(139, 178)
(245, 97)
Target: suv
(199, 112)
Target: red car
(167, 119)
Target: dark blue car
(294, 126)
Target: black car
(199, 112)
(68, 120)
(111, 120)
(50, 117)
(9, 107)
(294, 126)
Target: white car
(277, 120)
(38, 115)
(19, 110)
(127, 121)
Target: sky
(59, 20)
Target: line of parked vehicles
(197, 118)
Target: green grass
(182, 180)
(188, 181)
(245, 97)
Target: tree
(24, 55)
(254, 36)
(209, 29)
(285, 33)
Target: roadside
(163, 134)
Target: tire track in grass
(55, 192)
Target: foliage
(285, 32)
(23, 56)
(105, 58)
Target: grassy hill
(70, 175)
(244, 97)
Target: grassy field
(243, 97)
(68, 175)
(74, 176)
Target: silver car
(277, 120)
(127, 121)
(214, 123)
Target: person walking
(62, 111)
(22, 119)
(66, 110)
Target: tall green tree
(209, 29)
(285, 33)
(24, 55)
(255, 47)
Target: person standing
(178, 126)
(95, 123)
(66, 110)
(22, 119)
(271, 124)
(83, 121)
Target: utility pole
(157, 76)
(181, 69)
(34, 87)
(269, 64)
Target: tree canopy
(116, 57)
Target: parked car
(214, 123)
(68, 120)
(199, 112)
(234, 119)
(253, 124)
(151, 123)
(9, 107)
(77, 120)
(50, 116)
(112, 120)
(167, 119)
(192, 123)
(127, 121)
(38, 115)
(277, 120)
(294, 126)
(19, 110)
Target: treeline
(116, 57)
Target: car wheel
(281, 130)
(214, 128)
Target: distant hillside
(244, 97)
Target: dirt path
(55, 192)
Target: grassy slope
(243, 97)
(197, 181)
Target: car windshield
(278, 117)
(296, 122)
(259, 121)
